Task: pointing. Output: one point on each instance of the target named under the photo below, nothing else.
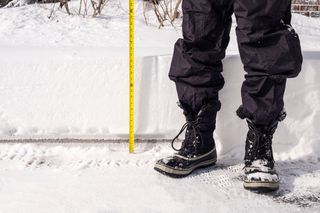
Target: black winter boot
(198, 148)
(260, 174)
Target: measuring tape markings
(131, 76)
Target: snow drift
(158, 115)
(82, 95)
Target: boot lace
(192, 138)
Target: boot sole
(261, 186)
(179, 173)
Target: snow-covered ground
(67, 77)
(105, 178)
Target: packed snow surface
(105, 178)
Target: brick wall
(306, 7)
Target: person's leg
(270, 52)
(196, 65)
(196, 70)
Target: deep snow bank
(80, 94)
(157, 113)
(63, 92)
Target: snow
(262, 176)
(67, 77)
(105, 178)
(260, 165)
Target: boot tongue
(187, 111)
(206, 117)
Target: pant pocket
(294, 50)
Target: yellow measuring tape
(131, 76)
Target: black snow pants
(269, 49)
